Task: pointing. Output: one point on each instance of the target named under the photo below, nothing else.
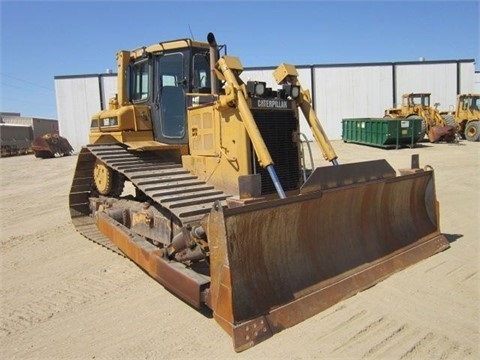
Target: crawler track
(166, 183)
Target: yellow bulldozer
(466, 116)
(221, 210)
(435, 126)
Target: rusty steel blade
(276, 263)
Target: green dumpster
(381, 132)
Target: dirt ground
(64, 297)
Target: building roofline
(367, 64)
(83, 76)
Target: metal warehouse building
(338, 91)
(40, 126)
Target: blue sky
(43, 39)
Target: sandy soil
(64, 297)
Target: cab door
(169, 110)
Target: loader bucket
(51, 145)
(442, 133)
(276, 263)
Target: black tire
(472, 131)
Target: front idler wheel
(107, 181)
(103, 177)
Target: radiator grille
(277, 128)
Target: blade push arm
(228, 68)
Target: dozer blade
(276, 263)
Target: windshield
(419, 99)
(468, 102)
(475, 103)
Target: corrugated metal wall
(338, 91)
(351, 91)
(438, 79)
(467, 81)
(78, 98)
(108, 88)
(476, 85)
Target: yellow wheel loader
(466, 116)
(224, 214)
(417, 105)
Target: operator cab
(417, 100)
(161, 79)
(470, 102)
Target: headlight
(260, 88)
(292, 90)
(256, 88)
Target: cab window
(201, 73)
(139, 81)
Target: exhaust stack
(213, 60)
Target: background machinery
(223, 212)
(417, 105)
(15, 139)
(51, 145)
(466, 116)
(24, 135)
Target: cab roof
(167, 45)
